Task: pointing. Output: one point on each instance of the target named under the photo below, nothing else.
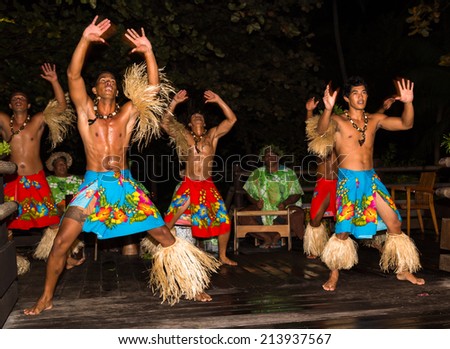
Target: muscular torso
(106, 141)
(200, 163)
(350, 154)
(25, 145)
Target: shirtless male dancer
(29, 186)
(23, 132)
(363, 202)
(197, 193)
(324, 196)
(110, 202)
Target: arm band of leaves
(59, 123)
(320, 145)
(151, 100)
(178, 138)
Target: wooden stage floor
(270, 289)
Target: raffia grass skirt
(181, 270)
(315, 240)
(340, 254)
(400, 254)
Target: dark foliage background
(264, 58)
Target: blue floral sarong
(116, 205)
(356, 203)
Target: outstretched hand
(311, 104)
(140, 41)
(329, 97)
(180, 97)
(405, 90)
(211, 97)
(49, 72)
(388, 103)
(93, 32)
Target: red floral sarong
(36, 206)
(322, 189)
(209, 216)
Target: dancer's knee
(395, 227)
(342, 236)
(315, 222)
(162, 235)
(61, 245)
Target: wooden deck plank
(269, 289)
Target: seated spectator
(274, 187)
(62, 184)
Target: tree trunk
(337, 37)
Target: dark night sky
(358, 20)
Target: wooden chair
(422, 199)
(240, 231)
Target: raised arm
(329, 98)
(143, 46)
(180, 97)
(405, 95)
(49, 74)
(230, 118)
(387, 103)
(77, 88)
(311, 104)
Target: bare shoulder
(4, 116)
(4, 120)
(339, 119)
(342, 123)
(128, 106)
(129, 110)
(212, 132)
(38, 118)
(376, 117)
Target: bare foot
(227, 261)
(72, 262)
(39, 307)
(203, 297)
(331, 283)
(407, 276)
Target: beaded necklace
(197, 139)
(104, 117)
(11, 123)
(357, 128)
